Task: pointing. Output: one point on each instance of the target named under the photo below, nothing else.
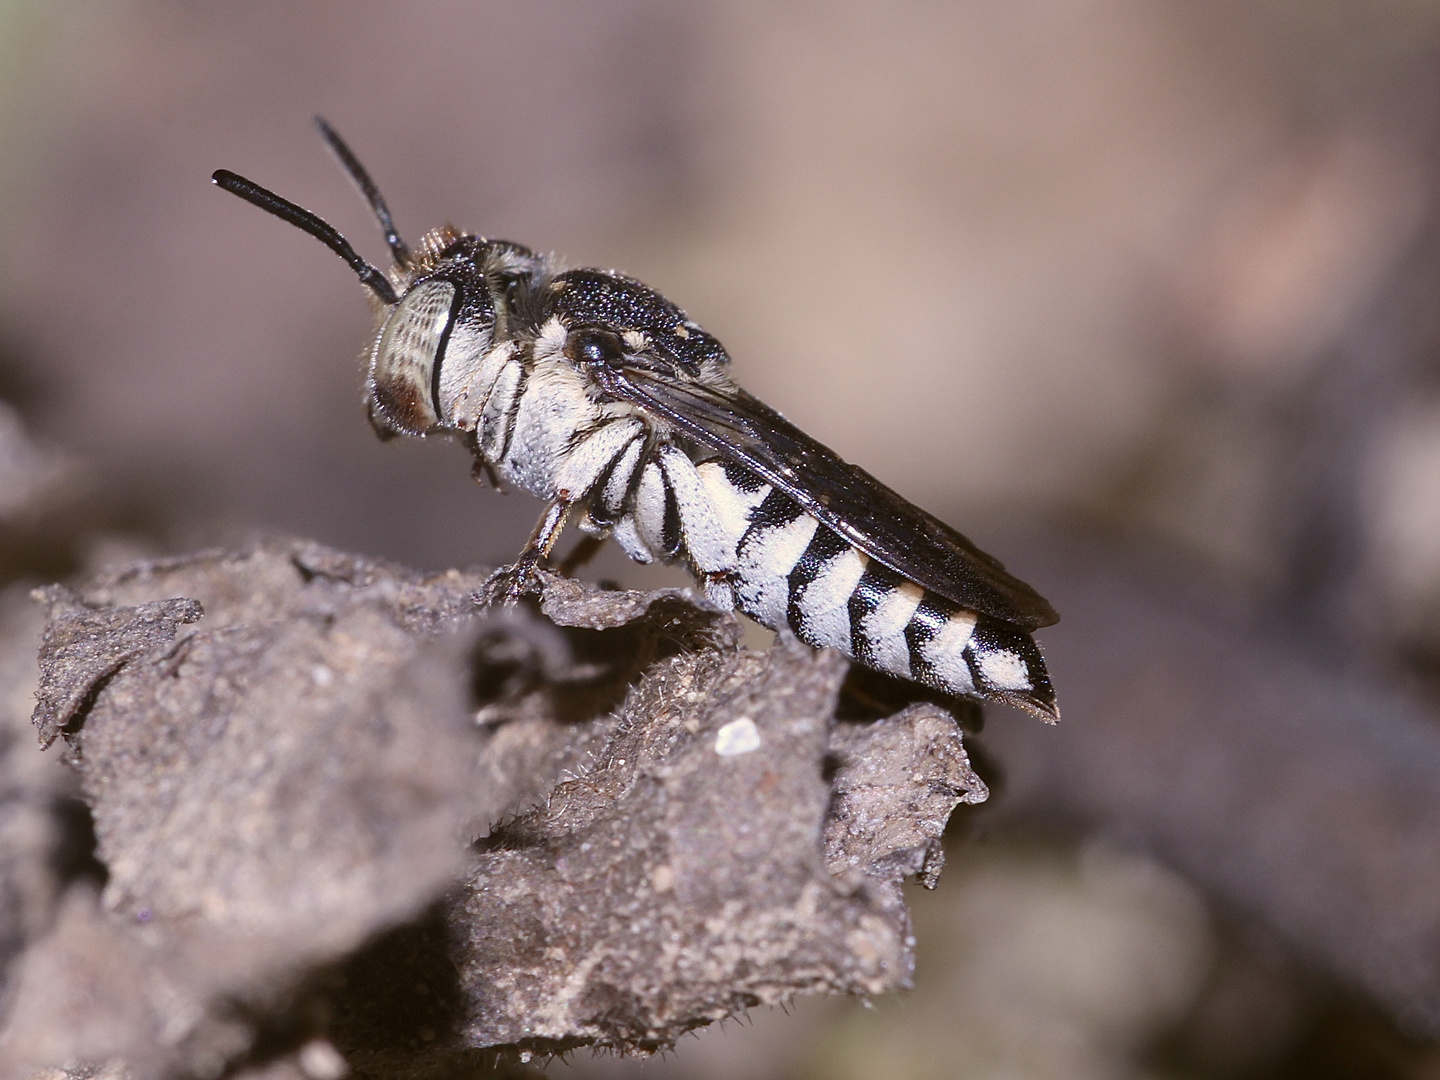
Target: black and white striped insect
(599, 396)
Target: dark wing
(849, 500)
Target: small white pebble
(737, 737)
(321, 1061)
(322, 675)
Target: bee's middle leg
(509, 583)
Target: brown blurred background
(1139, 294)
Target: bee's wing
(846, 498)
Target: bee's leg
(482, 471)
(510, 583)
(719, 588)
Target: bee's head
(459, 296)
(437, 305)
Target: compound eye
(403, 359)
(591, 345)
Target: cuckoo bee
(601, 397)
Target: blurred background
(1138, 294)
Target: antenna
(351, 164)
(304, 220)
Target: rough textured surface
(685, 892)
(84, 648)
(36, 792)
(349, 820)
(898, 781)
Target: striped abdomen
(754, 548)
(793, 571)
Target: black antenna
(304, 220)
(351, 164)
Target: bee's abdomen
(791, 570)
(755, 548)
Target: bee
(601, 397)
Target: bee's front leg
(510, 583)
